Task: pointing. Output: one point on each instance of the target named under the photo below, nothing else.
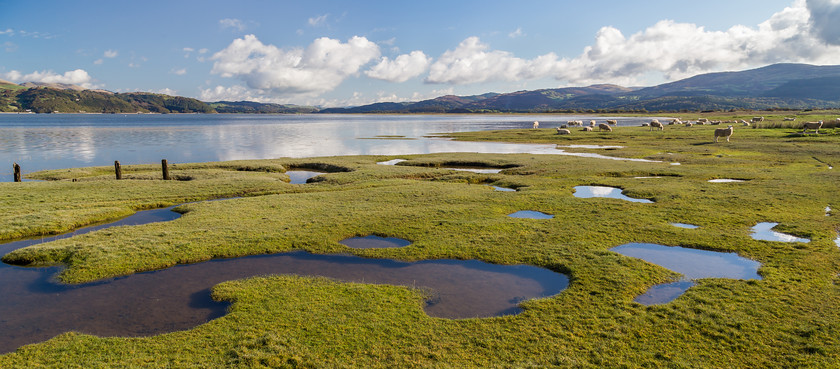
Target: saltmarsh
(790, 318)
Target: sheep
(790, 119)
(724, 132)
(812, 125)
(615, 122)
(564, 126)
(715, 122)
(701, 120)
(655, 124)
(757, 119)
(561, 131)
(604, 127)
(587, 129)
(746, 124)
(536, 124)
(689, 124)
(676, 121)
(645, 124)
(592, 123)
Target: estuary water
(55, 141)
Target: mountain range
(777, 86)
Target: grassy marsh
(790, 318)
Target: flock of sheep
(656, 124)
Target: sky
(347, 53)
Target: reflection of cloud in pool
(586, 192)
(764, 232)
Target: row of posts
(117, 170)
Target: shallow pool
(603, 191)
(764, 232)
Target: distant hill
(778, 86)
(64, 98)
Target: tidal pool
(34, 307)
(684, 225)
(725, 180)
(603, 191)
(691, 263)
(301, 176)
(476, 170)
(764, 232)
(503, 189)
(374, 242)
(530, 214)
(391, 162)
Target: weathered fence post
(17, 172)
(165, 168)
(118, 169)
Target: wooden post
(118, 169)
(165, 168)
(17, 172)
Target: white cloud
(203, 50)
(321, 67)
(318, 21)
(179, 72)
(516, 34)
(110, 54)
(166, 91)
(74, 77)
(824, 19)
(98, 61)
(402, 68)
(10, 47)
(471, 62)
(8, 31)
(232, 23)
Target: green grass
(790, 318)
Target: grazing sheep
(592, 123)
(757, 119)
(746, 124)
(561, 131)
(655, 124)
(790, 119)
(812, 125)
(587, 129)
(704, 120)
(689, 124)
(604, 127)
(676, 121)
(715, 122)
(645, 124)
(615, 122)
(536, 124)
(724, 132)
(564, 126)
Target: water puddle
(764, 232)
(606, 147)
(725, 180)
(374, 242)
(828, 211)
(35, 308)
(391, 162)
(691, 263)
(476, 170)
(684, 225)
(603, 191)
(301, 176)
(503, 189)
(646, 177)
(530, 214)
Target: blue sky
(340, 53)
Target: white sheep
(812, 125)
(562, 131)
(615, 122)
(704, 120)
(746, 124)
(536, 124)
(587, 129)
(655, 124)
(790, 119)
(689, 124)
(592, 123)
(724, 132)
(564, 126)
(676, 121)
(757, 119)
(604, 127)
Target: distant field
(789, 318)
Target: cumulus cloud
(473, 62)
(666, 50)
(179, 72)
(516, 34)
(74, 77)
(402, 68)
(321, 67)
(110, 53)
(824, 19)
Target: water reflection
(691, 263)
(725, 180)
(603, 191)
(374, 242)
(301, 176)
(764, 232)
(684, 225)
(530, 214)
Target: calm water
(53, 141)
(586, 192)
(34, 308)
